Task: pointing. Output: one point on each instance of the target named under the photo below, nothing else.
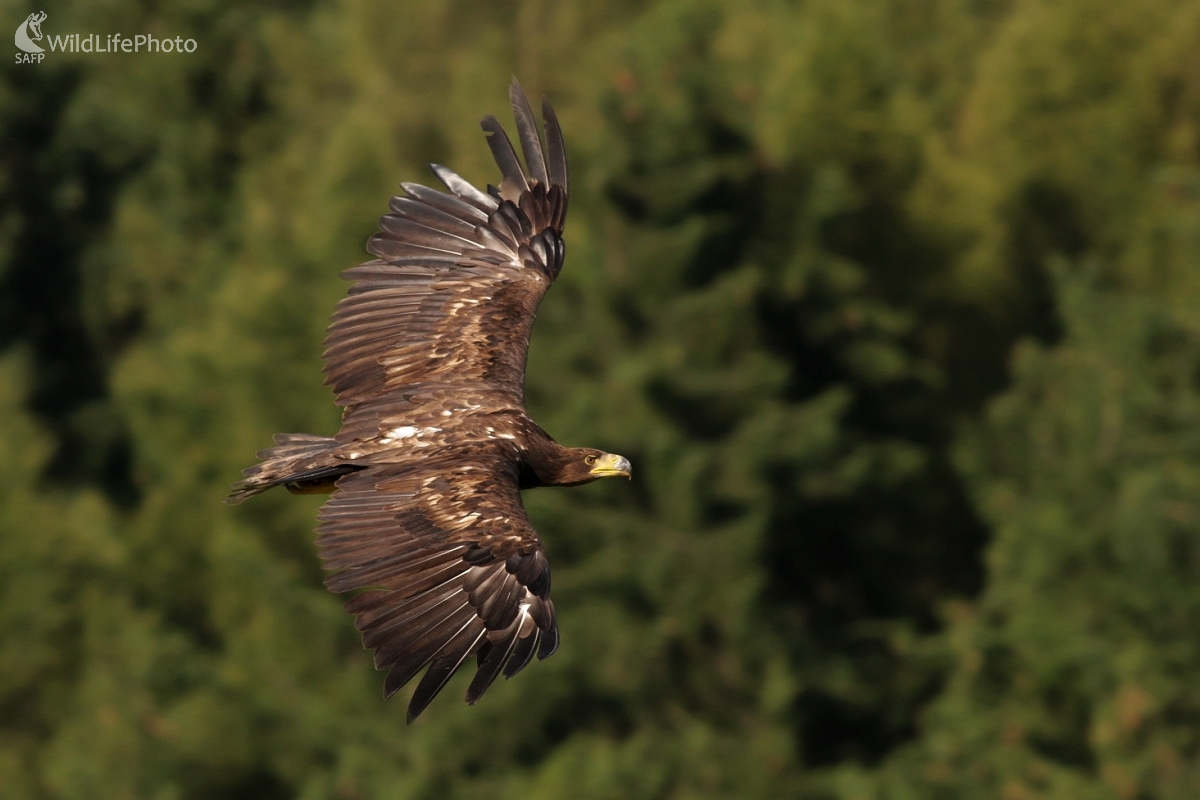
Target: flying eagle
(426, 357)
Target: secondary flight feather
(426, 356)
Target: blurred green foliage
(893, 305)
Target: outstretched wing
(452, 567)
(452, 297)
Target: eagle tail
(300, 461)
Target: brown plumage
(426, 357)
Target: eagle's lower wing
(452, 567)
(452, 296)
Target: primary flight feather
(426, 357)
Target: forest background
(894, 305)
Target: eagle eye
(589, 460)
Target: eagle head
(586, 464)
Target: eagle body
(426, 356)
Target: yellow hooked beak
(610, 465)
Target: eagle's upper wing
(452, 564)
(452, 297)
